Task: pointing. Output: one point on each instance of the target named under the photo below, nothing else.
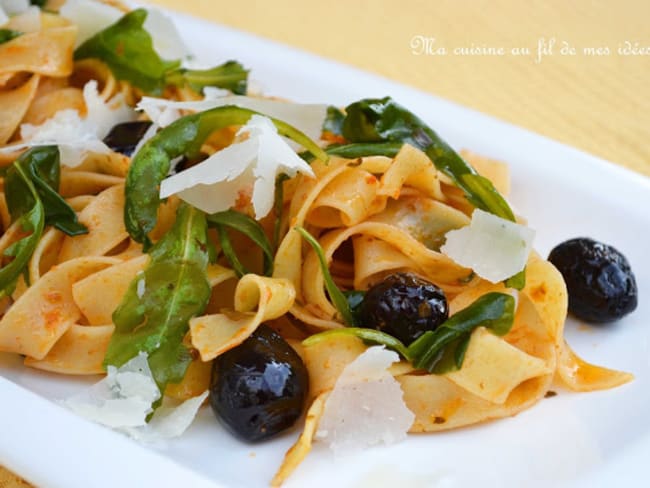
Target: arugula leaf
(334, 121)
(231, 76)
(127, 48)
(183, 137)
(369, 335)
(358, 150)
(43, 168)
(38, 3)
(278, 207)
(355, 300)
(444, 349)
(337, 297)
(518, 281)
(251, 229)
(441, 350)
(29, 212)
(154, 313)
(383, 120)
(7, 35)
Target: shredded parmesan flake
(91, 16)
(14, 7)
(494, 248)
(123, 401)
(251, 165)
(308, 118)
(365, 407)
(75, 136)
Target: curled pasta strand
(215, 334)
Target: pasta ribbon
(99, 294)
(79, 351)
(38, 319)
(46, 52)
(103, 217)
(14, 104)
(298, 452)
(215, 334)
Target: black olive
(124, 138)
(598, 277)
(259, 387)
(404, 306)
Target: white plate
(588, 439)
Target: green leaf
(518, 281)
(38, 3)
(278, 207)
(127, 48)
(250, 228)
(444, 349)
(154, 314)
(334, 121)
(230, 76)
(43, 168)
(7, 35)
(184, 137)
(29, 212)
(383, 120)
(359, 150)
(337, 297)
(229, 251)
(355, 300)
(369, 335)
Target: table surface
(578, 72)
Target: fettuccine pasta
(372, 216)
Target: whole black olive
(124, 138)
(599, 279)
(404, 306)
(259, 387)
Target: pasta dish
(297, 263)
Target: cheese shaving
(27, 21)
(167, 41)
(123, 401)
(308, 118)
(365, 407)
(494, 248)
(14, 7)
(249, 167)
(89, 16)
(76, 137)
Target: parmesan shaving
(308, 118)
(76, 137)
(251, 165)
(27, 21)
(365, 407)
(167, 41)
(494, 248)
(89, 16)
(123, 401)
(14, 7)
(168, 422)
